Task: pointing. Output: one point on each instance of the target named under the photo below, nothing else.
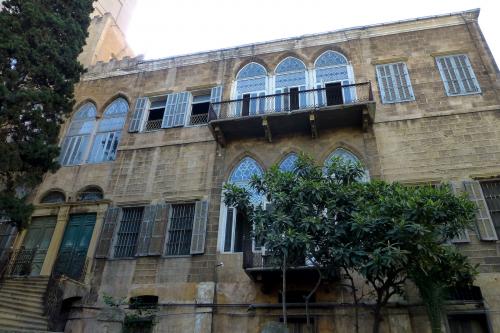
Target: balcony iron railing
(21, 262)
(292, 101)
(198, 119)
(153, 125)
(71, 263)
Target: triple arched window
(92, 141)
(331, 76)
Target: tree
(387, 233)
(40, 41)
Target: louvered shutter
(278, 100)
(385, 83)
(253, 103)
(108, 229)
(158, 229)
(216, 97)
(448, 75)
(141, 105)
(168, 116)
(262, 102)
(346, 92)
(199, 227)
(237, 107)
(181, 108)
(321, 95)
(144, 237)
(485, 226)
(457, 188)
(302, 97)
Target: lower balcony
(296, 111)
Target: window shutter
(253, 104)
(278, 100)
(302, 97)
(321, 95)
(485, 227)
(108, 229)
(238, 106)
(408, 90)
(158, 229)
(215, 97)
(382, 82)
(144, 238)
(457, 188)
(181, 108)
(448, 75)
(168, 116)
(141, 104)
(262, 102)
(466, 73)
(199, 227)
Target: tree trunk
(308, 297)
(377, 318)
(356, 301)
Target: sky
(160, 28)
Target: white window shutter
(141, 105)
(302, 97)
(485, 226)
(158, 229)
(144, 237)
(108, 229)
(457, 189)
(278, 100)
(383, 83)
(321, 95)
(199, 227)
(169, 115)
(406, 77)
(181, 109)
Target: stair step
(25, 324)
(18, 296)
(21, 307)
(22, 316)
(28, 290)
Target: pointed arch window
(234, 227)
(290, 82)
(288, 163)
(251, 87)
(109, 132)
(332, 73)
(346, 155)
(75, 145)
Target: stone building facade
(151, 143)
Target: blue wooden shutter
(108, 229)
(346, 92)
(262, 102)
(320, 95)
(448, 75)
(181, 108)
(457, 188)
(278, 100)
(141, 105)
(236, 108)
(302, 97)
(385, 83)
(253, 104)
(485, 226)
(216, 97)
(467, 77)
(199, 227)
(168, 116)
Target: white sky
(161, 28)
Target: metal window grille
(53, 197)
(180, 229)
(491, 192)
(130, 224)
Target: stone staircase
(21, 304)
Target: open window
(199, 108)
(155, 114)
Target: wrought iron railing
(72, 263)
(256, 257)
(292, 101)
(153, 125)
(198, 119)
(21, 262)
(465, 294)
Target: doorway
(334, 93)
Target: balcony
(305, 111)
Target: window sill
(464, 94)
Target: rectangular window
(394, 83)
(457, 75)
(199, 109)
(155, 115)
(491, 192)
(180, 229)
(128, 232)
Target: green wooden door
(74, 246)
(38, 240)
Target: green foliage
(40, 41)
(388, 233)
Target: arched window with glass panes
(250, 90)
(333, 76)
(288, 163)
(347, 156)
(290, 83)
(92, 141)
(233, 226)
